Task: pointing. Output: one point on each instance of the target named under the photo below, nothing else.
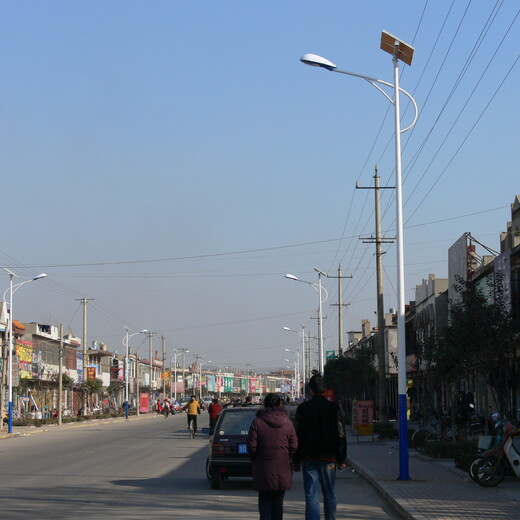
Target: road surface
(145, 468)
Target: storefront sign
(364, 417)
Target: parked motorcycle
(491, 467)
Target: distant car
(228, 456)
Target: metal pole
(138, 390)
(401, 336)
(10, 363)
(321, 364)
(60, 377)
(151, 364)
(175, 375)
(126, 375)
(304, 374)
(163, 339)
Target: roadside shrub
(464, 453)
(38, 423)
(385, 429)
(438, 449)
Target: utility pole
(340, 306)
(60, 377)
(150, 335)
(163, 342)
(138, 408)
(198, 368)
(381, 350)
(84, 302)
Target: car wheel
(208, 469)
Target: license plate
(242, 448)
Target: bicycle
(435, 430)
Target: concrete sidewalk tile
(435, 491)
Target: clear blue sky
(173, 160)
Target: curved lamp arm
(318, 61)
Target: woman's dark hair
(272, 400)
(317, 384)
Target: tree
(92, 386)
(352, 377)
(478, 342)
(115, 387)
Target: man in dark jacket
(322, 447)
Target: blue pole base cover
(403, 439)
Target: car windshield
(236, 423)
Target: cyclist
(192, 409)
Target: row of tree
(478, 347)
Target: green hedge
(462, 452)
(385, 430)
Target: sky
(173, 160)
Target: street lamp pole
(127, 365)
(404, 52)
(11, 290)
(318, 287)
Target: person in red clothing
(213, 409)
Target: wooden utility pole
(381, 349)
(163, 343)
(84, 302)
(60, 377)
(340, 306)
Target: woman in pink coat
(271, 443)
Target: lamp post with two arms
(127, 365)
(318, 287)
(400, 51)
(11, 290)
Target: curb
(399, 506)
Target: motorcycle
(491, 467)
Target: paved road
(143, 468)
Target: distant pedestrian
(213, 409)
(247, 401)
(166, 408)
(322, 447)
(271, 443)
(193, 409)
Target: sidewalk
(437, 490)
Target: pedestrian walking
(322, 447)
(271, 443)
(213, 409)
(166, 408)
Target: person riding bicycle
(193, 409)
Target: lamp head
(291, 277)
(318, 61)
(287, 328)
(144, 331)
(42, 275)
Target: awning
(18, 324)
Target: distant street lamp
(318, 287)
(176, 351)
(404, 52)
(304, 358)
(12, 289)
(200, 377)
(127, 365)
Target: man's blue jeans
(319, 474)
